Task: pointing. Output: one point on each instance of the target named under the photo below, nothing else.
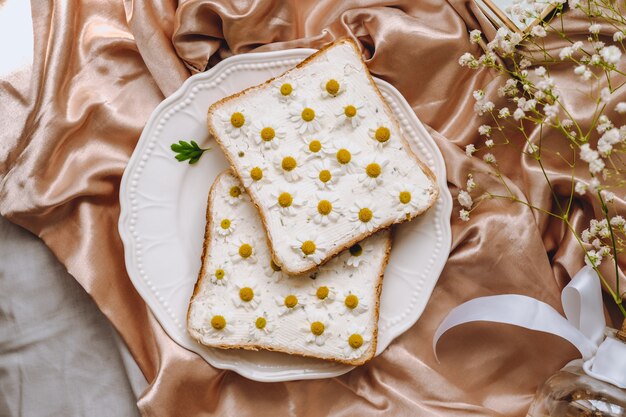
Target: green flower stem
(615, 295)
(605, 210)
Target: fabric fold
(100, 68)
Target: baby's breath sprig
(188, 151)
(534, 107)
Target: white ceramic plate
(163, 205)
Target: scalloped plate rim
(156, 307)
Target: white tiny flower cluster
(592, 157)
(611, 54)
(604, 124)
(482, 105)
(596, 234)
(468, 60)
(609, 139)
(465, 199)
(504, 42)
(509, 89)
(569, 51)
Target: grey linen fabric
(58, 353)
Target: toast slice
(242, 299)
(322, 156)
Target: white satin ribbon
(604, 356)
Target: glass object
(572, 393)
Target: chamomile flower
(247, 296)
(236, 124)
(226, 226)
(323, 295)
(255, 175)
(358, 253)
(365, 217)
(343, 153)
(372, 172)
(219, 321)
(242, 251)
(314, 146)
(381, 134)
(288, 165)
(288, 303)
(324, 174)
(261, 325)
(272, 269)
(352, 304)
(352, 113)
(357, 340)
(286, 201)
(267, 134)
(235, 193)
(287, 89)
(316, 329)
(404, 197)
(305, 117)
(220, 274)
(327, 209)
(309, 247)
(333, 86)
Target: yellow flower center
(273, 265)
(373, 170)
(332, 87)
(219, 273)
(355, 341)
(286, 89)
(351, 301)
(285, 200)
(365, 215)
(343, 156)
(256, 173)
(324, 207)
(317, 328)
(225, 223)
(356, 250)
(289, 163)
(267, 134)
(245, 250)
(291, 301)
(325, 175)
(237, 119)
(260, 323)
(218, 322)
(382, 134)
(308, 247)
(246, 294)
(315, 146)
(308, 114)
(349, 111)
(235, 191)
(405, 197)
(322, 293)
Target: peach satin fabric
(100, 68)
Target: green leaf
(187, 151)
